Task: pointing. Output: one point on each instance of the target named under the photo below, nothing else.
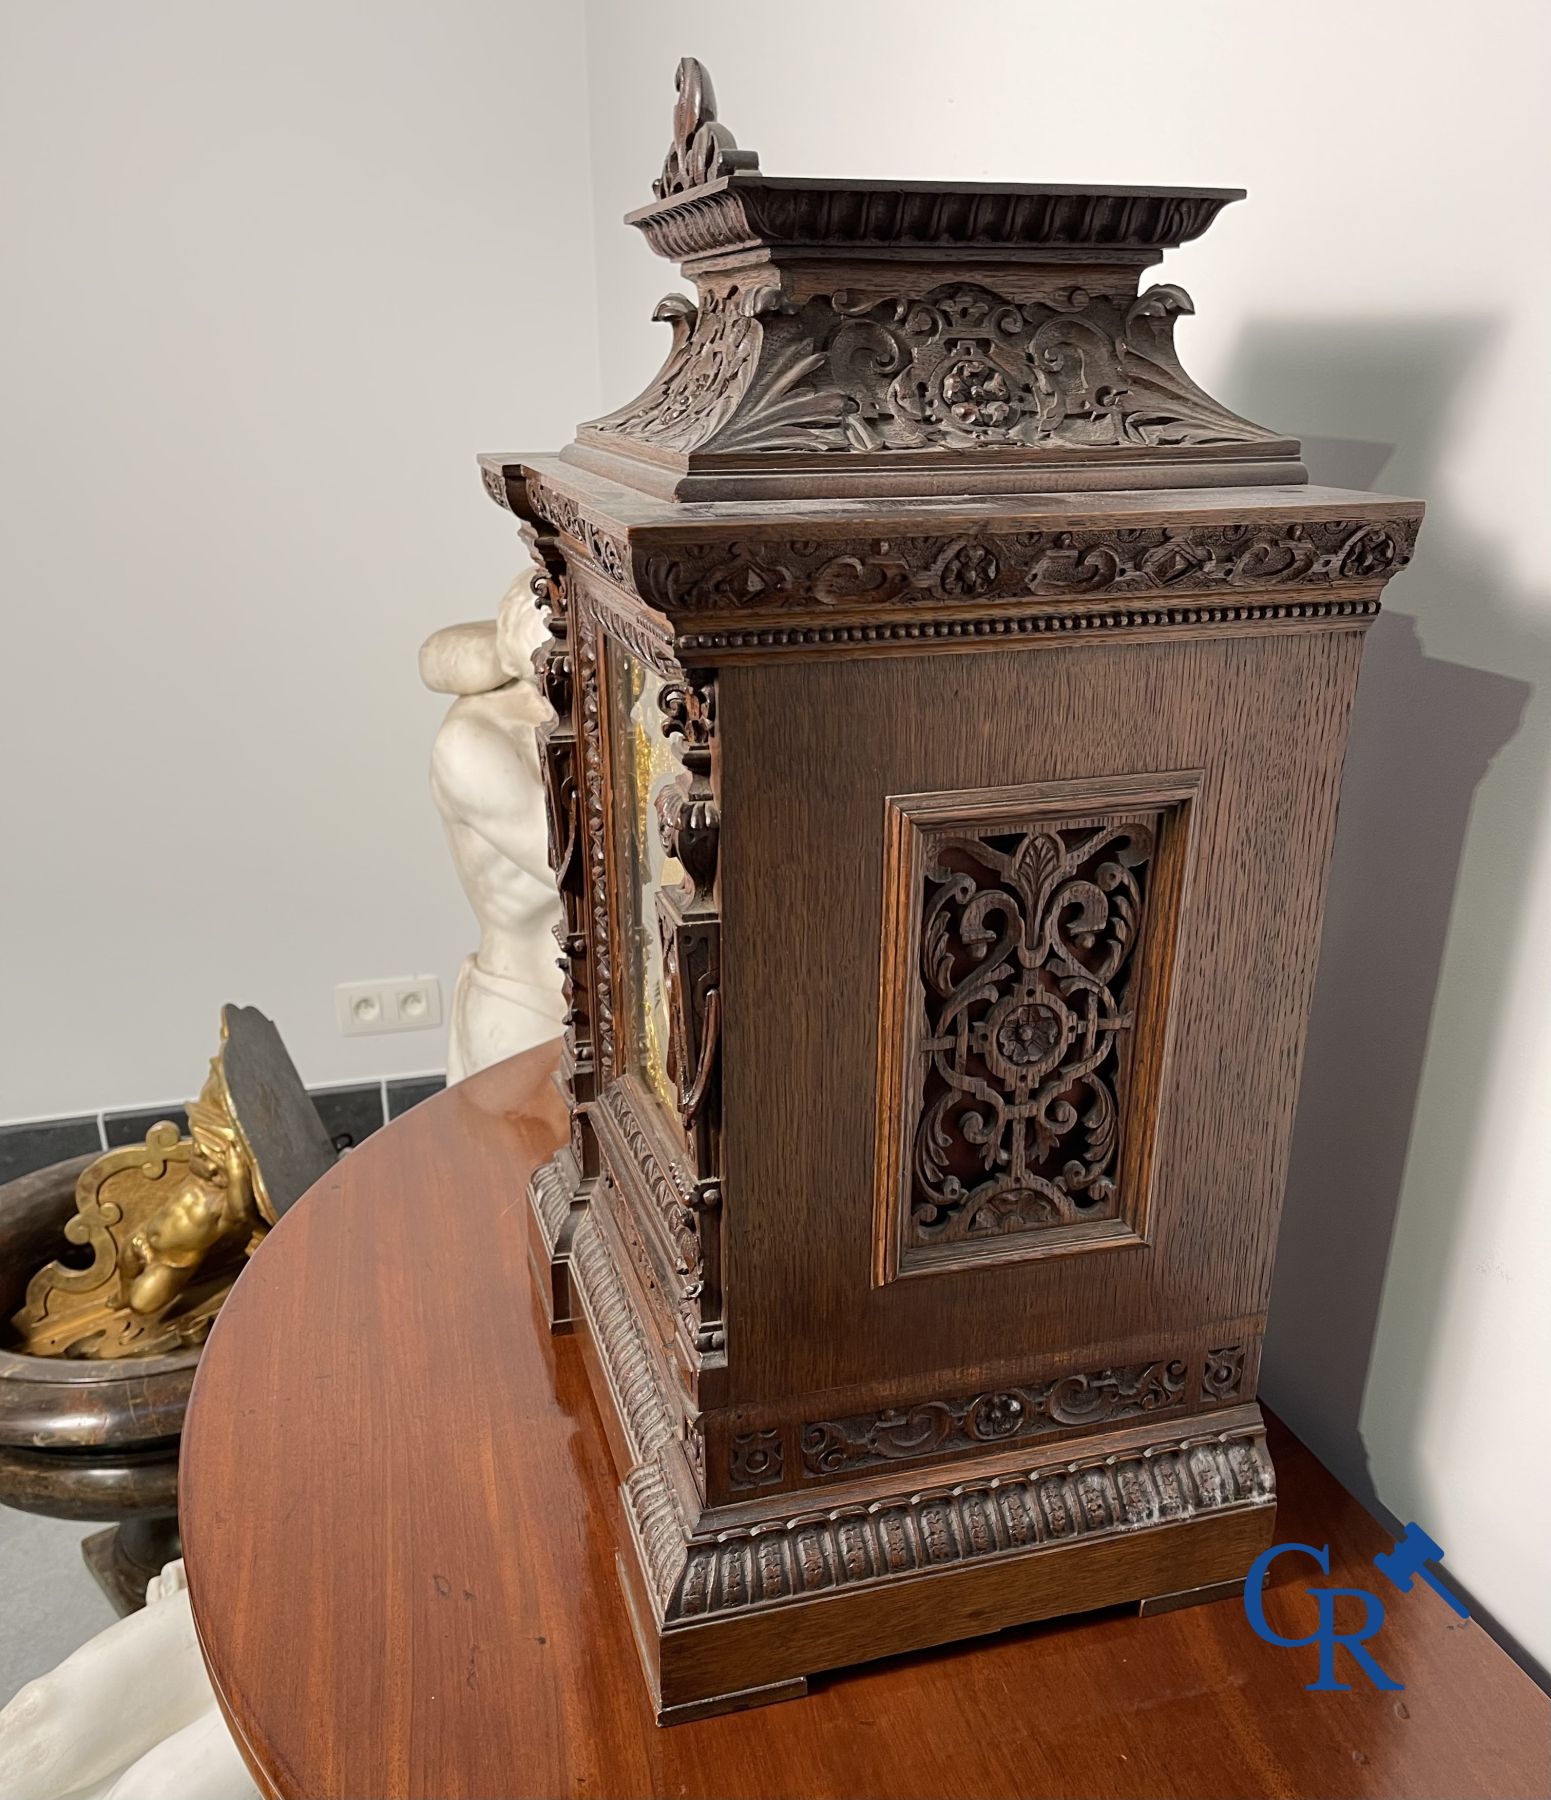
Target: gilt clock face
(643, 764)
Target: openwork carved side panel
(1026, 949)
(1029, 936)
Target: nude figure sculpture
(486, 782)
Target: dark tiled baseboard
(411, 1091)
(130, 1127)
(36, 1144)
(349, 1113)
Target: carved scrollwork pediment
(785, 362)
(703, 149)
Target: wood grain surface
(396, 1496)
(1264, 724)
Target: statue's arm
(462, 659)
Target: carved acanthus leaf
(962, 368)
(742, 374)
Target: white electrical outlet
(411, 1004)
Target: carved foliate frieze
(495, 486)
(1069, 1402)
(960, 368)
(1002, 1415)
(605, 549)
(1011, 1075)
(984, 572)
(644, 1256)
(970, 570)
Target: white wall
(1382, 292)
(272, 276)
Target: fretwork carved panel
(1028, 937)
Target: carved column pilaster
(554, 665)
(558, 1188)
(689, 925)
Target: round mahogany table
(396, 1498)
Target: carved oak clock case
(950, 700)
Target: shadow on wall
(1373, 401)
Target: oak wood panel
(1265, 723)
(395, 1496)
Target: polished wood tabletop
(396, 1499)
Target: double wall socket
(413, 1003)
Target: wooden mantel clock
(950, 700)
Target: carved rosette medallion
(756, 1459)
(1021, 1005)
(1223, 1377)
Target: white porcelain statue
(486, 782)
(130, 1715)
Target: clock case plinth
(1006, 676)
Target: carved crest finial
(703, 148)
